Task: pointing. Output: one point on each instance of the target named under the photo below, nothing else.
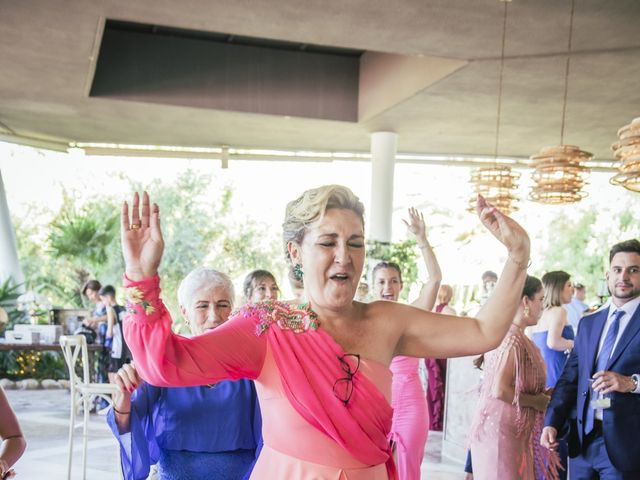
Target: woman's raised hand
(142, 242)
(416, 225)
(505, 229)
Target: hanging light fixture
(627, 150)
(560, 173)
(496, 183)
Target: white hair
(200, 278)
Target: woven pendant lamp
(559, 171)
(627, 151)
(496, 183)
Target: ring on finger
(135, 226)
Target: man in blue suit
(604, 442)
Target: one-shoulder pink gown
(309, 432)
(410, 417)
(293, 448)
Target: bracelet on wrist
(523, 265)
(422, 246)
(121, 413)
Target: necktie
(601, 362)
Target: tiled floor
(44, 419)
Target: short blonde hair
(311, 206)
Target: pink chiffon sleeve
(231, 351)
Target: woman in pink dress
(437, 369)
(512, 403)
(320, 369)
(410, 423)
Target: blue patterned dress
(191, 432)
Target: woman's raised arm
(427, 298)
(429, 335)
(231, 351)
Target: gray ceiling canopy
(429, 72)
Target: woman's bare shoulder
(557, 314)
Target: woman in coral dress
(508, 422)
(322, 369)
(410, 424)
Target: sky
(262, 189)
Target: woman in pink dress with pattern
(410, 424)
(320, 369)
(508, 422)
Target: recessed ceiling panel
(152, 64)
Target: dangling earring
(297, 271)
(526, 311)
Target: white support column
(9, 264)
(383, 157)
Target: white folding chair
(83, 392)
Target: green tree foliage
(580, 244)
(9, 293)
(81, 237)
(83, 241)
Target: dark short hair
(628, 246)
(489, 274)
(578, 286)
(91, 285)
(252, 277)
(532, 285)
(380, 265)
(554, 283)
(107, 290)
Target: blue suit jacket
(621, 422)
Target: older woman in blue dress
(211, 431)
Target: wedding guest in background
(437, 368)
(91, 290)
(512, 402)
(115, 340)
(210, 431)
(605, 362)
(260, 286)
(554, 337)
(410, 424)
(576, 307)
